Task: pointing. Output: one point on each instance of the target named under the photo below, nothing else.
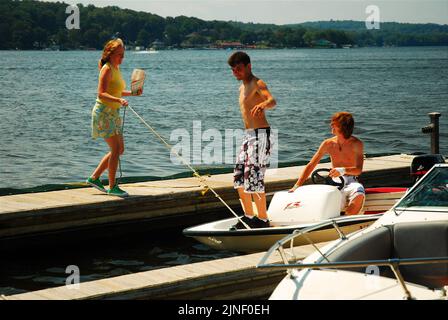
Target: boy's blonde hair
(345, 121)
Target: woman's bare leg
(115, 142)
(114, 145)
(120, 144)
(104, 164)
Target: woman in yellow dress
(106, 120)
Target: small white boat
(403, 255)
(307, 206)
(150, 51)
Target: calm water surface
(47, 97)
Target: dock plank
(162, 283)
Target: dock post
(433, 128)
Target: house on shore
(157, 45)
(229, 45)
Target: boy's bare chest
(249, 96)
(342, 152)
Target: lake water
(47, 97)
(40, 268)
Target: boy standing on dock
(253, 159)
(347, 159)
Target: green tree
(91, 38)
(195, 39)
(5, 36)
(22, 35)
(143, 38)
(74, 39)
(40, 37)
(247, 37)
(62, 38)
(308, 37)
(172, 36)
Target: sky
(286, 11)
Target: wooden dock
(157, 204)
(228, 278)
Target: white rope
(195, 173)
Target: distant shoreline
(213, 49)
(39, 25)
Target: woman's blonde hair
(109, 48)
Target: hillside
(31, 24)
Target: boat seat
(376, 245)
(402, 240)
(423, 240)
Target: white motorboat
(150, 51)
(307, 206)
(403, 255)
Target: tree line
(30, 24)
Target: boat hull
(218, 236)
(256, 240)
(323, 284)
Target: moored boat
(307, 206)
(403, 255)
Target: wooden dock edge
(169, 203)
(227, 278)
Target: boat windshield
(432, 191)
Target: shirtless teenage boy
(347, 158)
(253, 158)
